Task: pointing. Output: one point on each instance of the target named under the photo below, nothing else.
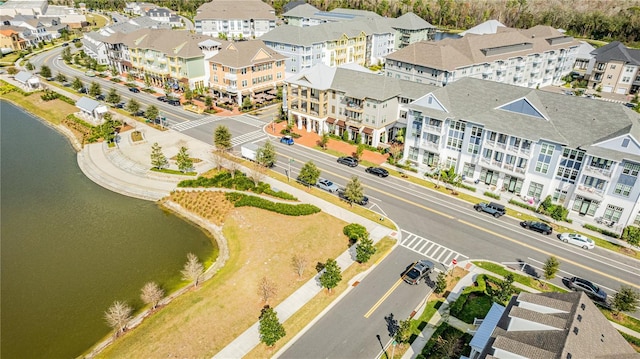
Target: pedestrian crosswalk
(432, 250)
(182, 126)
(249, 120)
(253, 136)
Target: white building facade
(243, 19)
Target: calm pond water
(69, 248)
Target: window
(468, 169)
(559, 196)
(456, 135)
(613, 213)
(430, 159)
(535, 190)
(637, 220)
(622, 189)
(244, 83)
(544, 158)
(570, 164)
(413, 153)
(474, 140)
(631, 169)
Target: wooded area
(595, 19)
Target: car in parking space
(537, 226)
(493, 209)
(418, 271)
(590, 289)
(287, 140)
(378, 171)
(327, 185)
(577, 240)
(140, 113)
(363, 202)
(163, 98)
(349, 161)
(134, 89)
(100, 97)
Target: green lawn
(622, 319)
(476, 306)
(519, 278)
(418, 325)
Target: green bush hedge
(238, 182)
(492, 195)
(523, 205)
(457, 306)
(601, 230)
(467, 187)
(288, 209)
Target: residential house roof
(616, 51)
(307, 36)
(482, 335)
(580, 332)
(24, 76)
(291, 5)
(235, 9)
(246, 53)
(450, 54)
(174, 43)
(87, 104)
(158, 11)
(7, 32)
(411, 21)
(147, 22)
(487, 27)
(301, 10)
(584, 50)
(569, 120)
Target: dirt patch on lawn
(261, 244)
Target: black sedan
(537, 226)
(349, 161)
(134, 89)
(378, 171)
(591, 290)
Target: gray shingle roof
(235, 9)
(181, 43)
(87, 104)
(307, 36)
(302, 10)
(617, 51)
(411, 21)
(568, 120)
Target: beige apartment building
(614, 68)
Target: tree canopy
(270, 328)
(222, 138)
(309, 173)
(332, 275)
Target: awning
(355, 128)
(126, 63)
(340, 123)
(368, 131)
(331, 120)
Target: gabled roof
(87, 104)
(617, 51)
(235, 9)
(301, 10)
(173, 43)
(307, 36)
(487, 27)
(23, 76)
(246, 53)
(292, 5)
(411, 21)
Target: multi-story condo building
(348, 99)
(308, 15)
(535, 57)
(10, 41)
(530, 144)
(242, 19)
(246, 68)
(614, 68)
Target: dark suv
(417, 271)
(591, 290)
(493, 209)
(537, 226)
(349, 161)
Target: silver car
(327, 185)
(577, 240)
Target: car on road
(65, 44)
(327, 185)
(577, 240)
(349, 161)
(163, 98)
(493, 209)
(378, 171)
(417, 271)
(287, 140)
(591, 290)
(119, 105)
(173, 102)
(100, 97)
(537, 226)
(363, 202)
(134, 89)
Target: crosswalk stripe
(182, 126)
(250, 120)
(428, 248)
(248, 137)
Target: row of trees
(119, 313)
(160, 161)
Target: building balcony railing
(232, 88)
(535, 70)
(162, 60)
(230, 76)
(433, 129)
(149, 56)
(517, 77)
(520, 170)
(588, 190)
(600, 172)
(493, 144)
(537, 61)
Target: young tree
(309, 173)
(364, 250)
(246, 103)
(192, 270)
(60, 77)
(45, 71)
(167, 89)
(266, 155)
(133, 106)
(77, 84)
(66, 55)
(550, 267)
(188, 94)
(113, 97)
(270, 328)
(95, 89)
(152, 113)
(359, 151)
(332, 275)
(257, 172)
(451, 177)
(625, 300)
(324, 140)
(117, 316)
(505, 289)
(151, 293)
(395, 150)
(158, 159)
(266, 289)
(299, 263)
(631, 234)
(208, 101)
(130, 77)
(108, 128)
(403, 332)
(441, 283)
(353, 191)
(222, 138)
(184, 162)
(29, 66)
(114, 71)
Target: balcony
(487, 71)
(230, 76)
(429, 144)
(354, 106)
(232, 88)
(537, 61)
(589, 191)
(598, 172)
(493, 144)
(149, 56)
(162, 60)
(535, 71)
(433, 129)
(517, 77)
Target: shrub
(355, 232)
(523, 205)
(288, 209)
(238, 182)
(49, 95)
(467, 187)
(601, 230)
(631, 235)
(492, 195)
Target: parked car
(417, 271)
(378, 171)
(100, 97)
(327, 185)
(139, 113)
(363, 202)
(83, 90)
(173, 102)
(577, 240)
(630, 105)
(287, 140)
(134, 89)
(119, 105)
(349, 161)
(591, 290)
(163, 98)
(65, 44)
(537, 226)
(493, 209)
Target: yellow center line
(385, 296)
(548, 253)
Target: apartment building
(548, 325)
(348, 99)
(305, 15)
(241, 19)
(246, 68)
(614, 68)
(535, 57)
(10, 41)
(528, 144)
